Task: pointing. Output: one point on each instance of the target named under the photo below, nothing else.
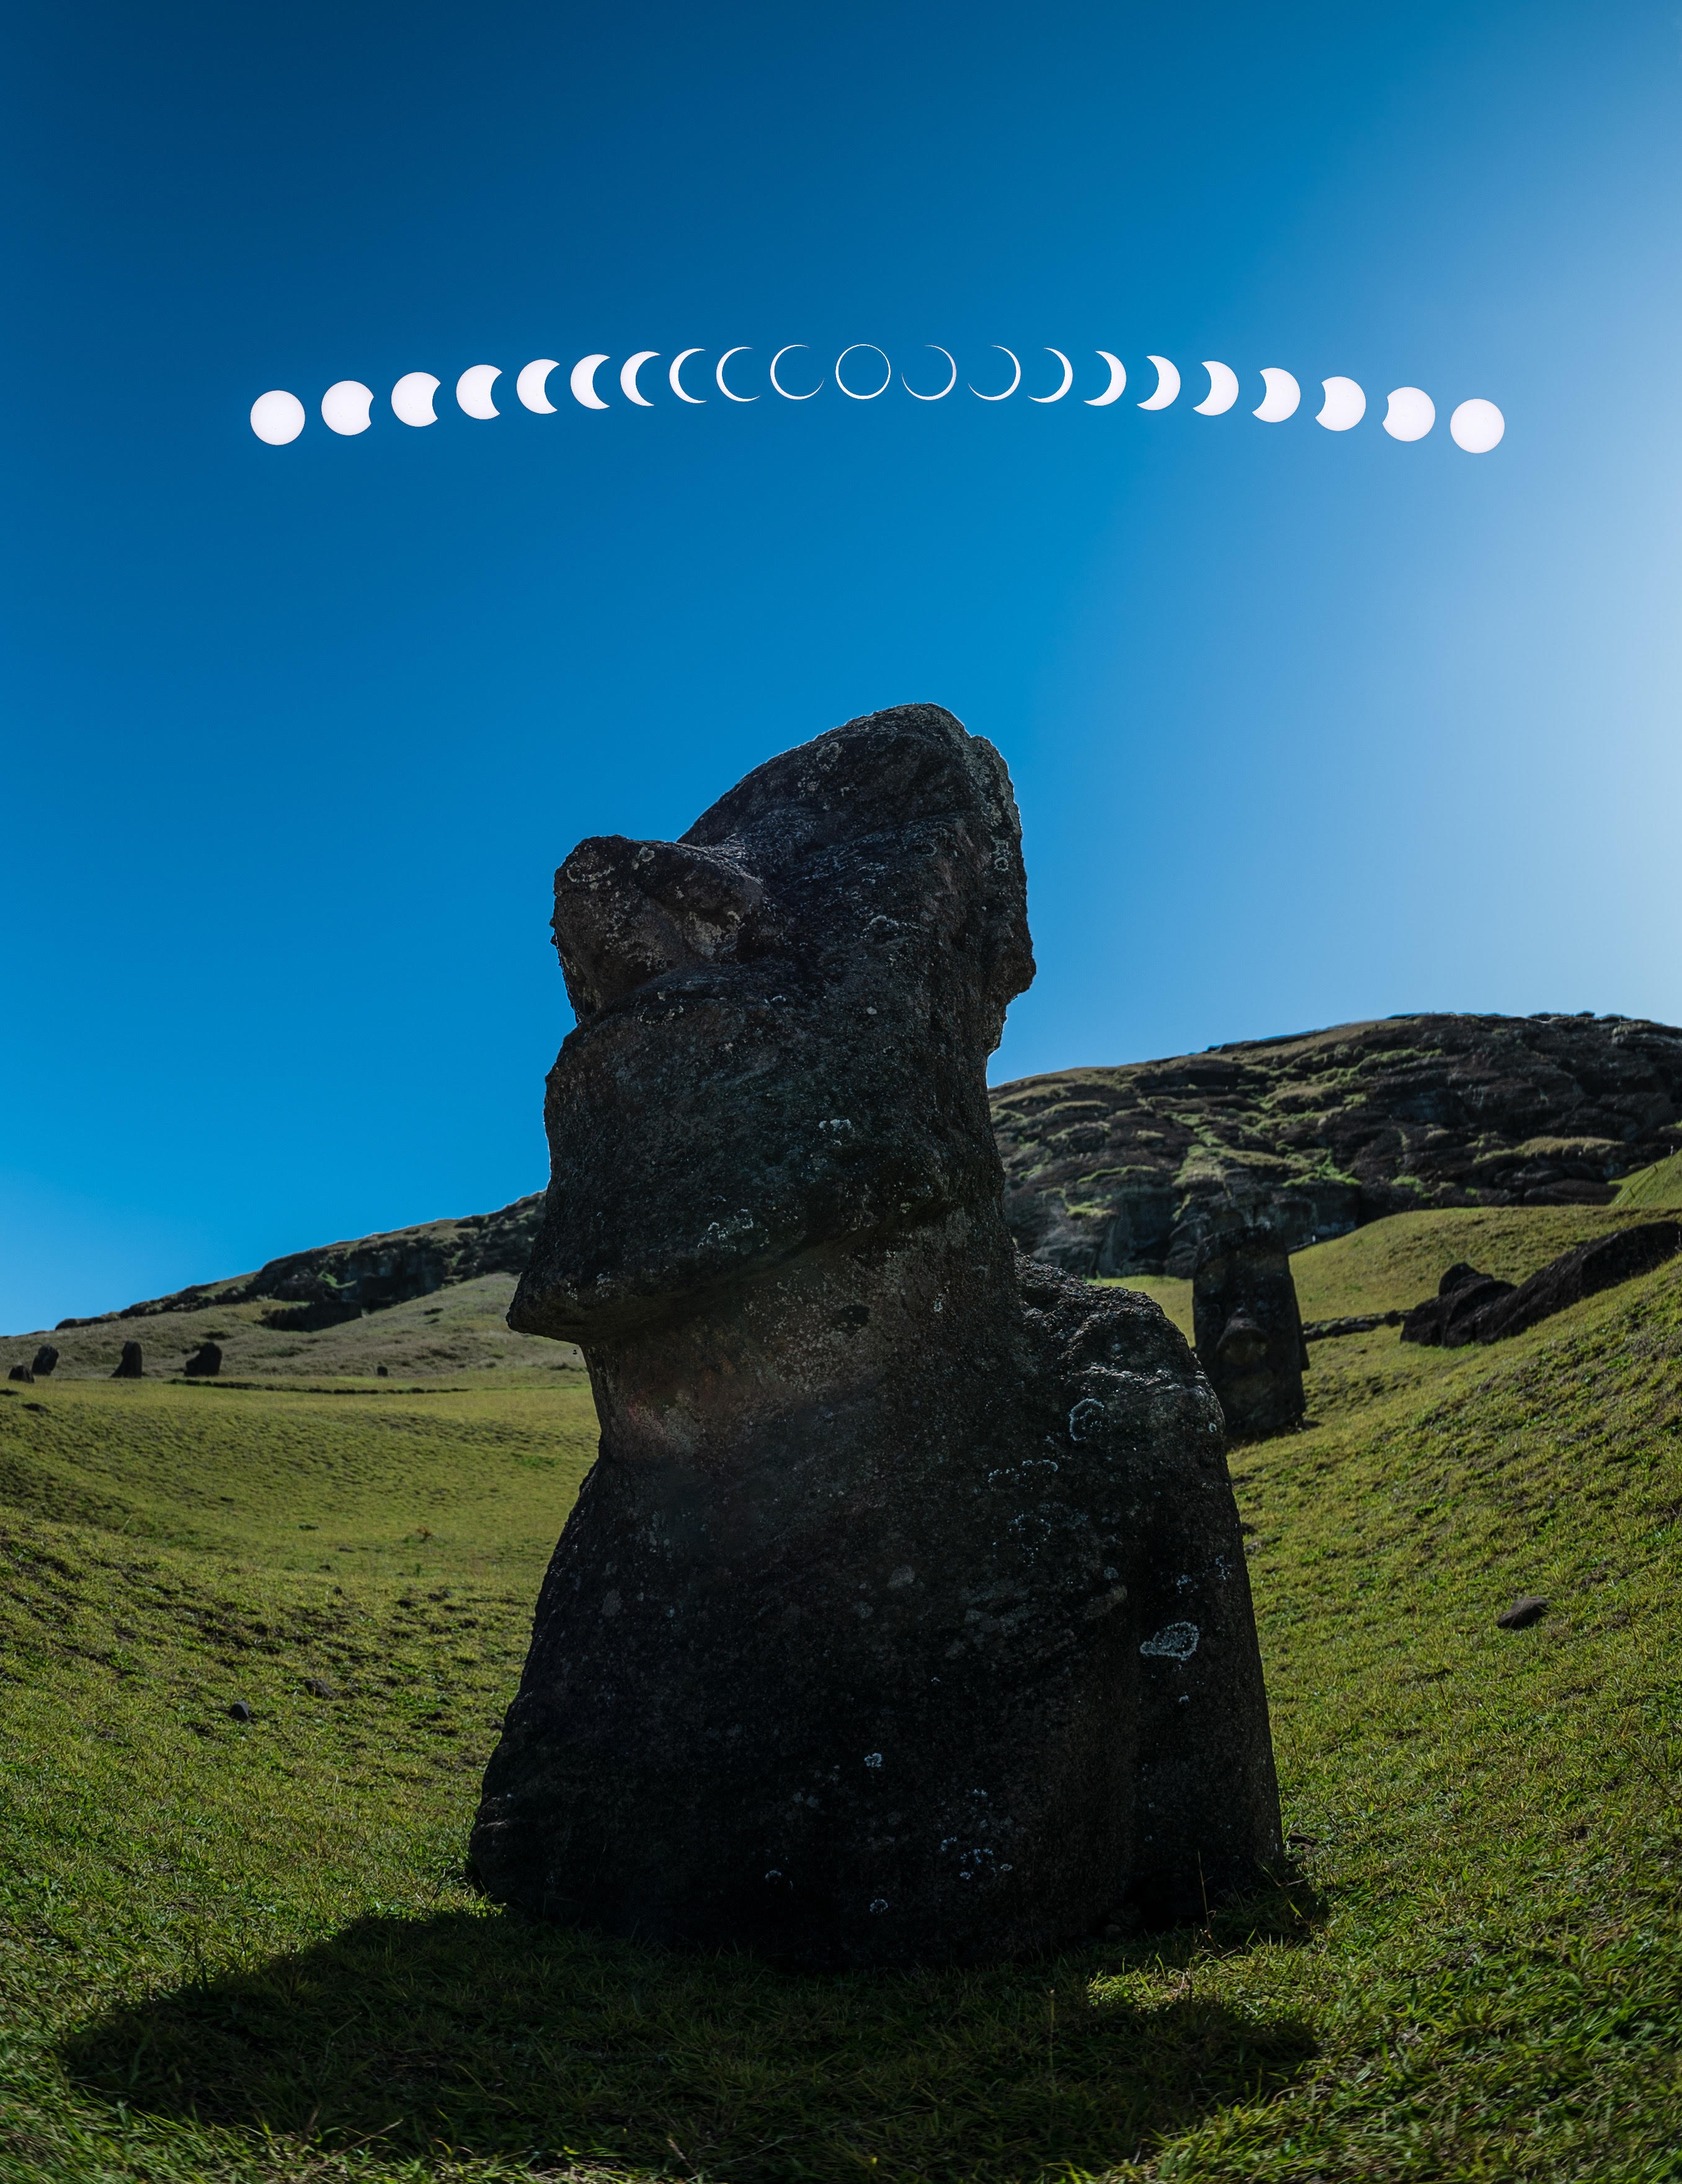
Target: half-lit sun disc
(277, 417)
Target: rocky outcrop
(1125, 1170)
(1473, 1307)
(336, 1282)
(1250, 1339)
(904, 1618)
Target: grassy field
(242, 1949)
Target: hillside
(240, 1952)
(1117, 1171)
(1114, 1171)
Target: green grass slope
(458, 1332)
(1650, 1189)
(242, 1951)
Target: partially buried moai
(904, 1618)
(1248, 1328)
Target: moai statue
(904, 1618)
(1249, 1329)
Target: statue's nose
(627, 911)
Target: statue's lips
(715, 1123)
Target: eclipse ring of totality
(1068, 378)
(678, 362)
(741, 349)
(1014, 384)
(946, 389)
(1118, 379)
(853, 392)
(777, 384)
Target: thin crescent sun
(1118, 379)
(627, 376)
(777, 384)
(677, 364)
(1068, 378)
(741, 349)
(1014, 384)
(946, 389)
(1168, 384)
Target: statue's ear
(627, 911)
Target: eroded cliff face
(1119, 1171)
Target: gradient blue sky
(1304, 726)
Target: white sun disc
(412, 399)
(1477, 425)
(345, 405)
(277, 417)
(473, 390)
(1411, 415)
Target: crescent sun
(1014, 384)
(530, 387)
(946, 389)
(1168, 384)
(1068, 378)
(1222, 389)
(1280, 400)
(584, 381)
(1118, 379)
(627, 376)
(1344, 406)
(677, 364)
(777, 384)
(741, 349)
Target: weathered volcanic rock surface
(1123, 1170)
(904, 1618)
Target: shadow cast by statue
(478, 2035)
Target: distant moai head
(129, 1364)
(1249, 1329)
(783, 1022)
(44, 1360)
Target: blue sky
(1305, 727)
